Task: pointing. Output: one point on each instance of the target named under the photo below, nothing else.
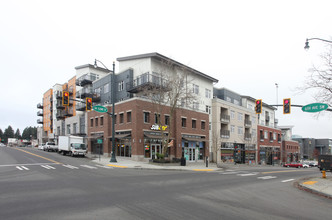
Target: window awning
(120, 136)
(151, 136)
(194, 139)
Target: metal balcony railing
(247, 123)
(85, 79)
(225, 118)
(40, 113)
(225, 133)
(146, 81)
(40, 106)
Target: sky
(249, 46)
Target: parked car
(313, 164)
(50, 146)
(305, 165)
(41, 147)
(2, 145)
(293, 164)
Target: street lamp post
(306, 47)
(113, 158)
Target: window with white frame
(232, 128)
(265, 134)
(208, 109)
(232, 114)
(195, 105)
(207, 93)
(240, 130)
(239, 116)
(106, 88)
(121, 86)
(195, 89)
(274, 136)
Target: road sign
(315, 107)
(99, 108)
(99, 141)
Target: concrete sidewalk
(318, 185)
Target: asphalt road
(44, 185)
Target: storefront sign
(158, 128)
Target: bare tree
(169, 89)
(320, 79)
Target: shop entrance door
(155, 149)
(192, 154)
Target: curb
(302, 187)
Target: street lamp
(306, 47)
(113, 159)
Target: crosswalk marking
(285, 181)
(229, 173)
(70, 166)
(22, 168)
(87, 166)
(247, 174)
(266, 177)
(48, 167)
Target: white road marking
(90, 167)
(22, 168)
(229, 173)
(285, 181)
(48, 167)
(27, 164)
(266, 177)
(247, 174)
(70, 166)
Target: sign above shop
(158, 128)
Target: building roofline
(92, 66)
(162, 57)
(264, 104)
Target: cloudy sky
(248, 45)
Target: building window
(96, 122)
(207, 93)
(195, 105)
(240, 130)
(91, 122)
(106, 88)
(101, 121)
(240, 116)
(184, 122)
(128, 117)
(121, 86)
(74, 128)
(195, 89)
(115, 119)
(232, 114)
(203, 125)
(146, 116)
(156, 118)
(208, 109)
(265, 134)
(121, 118)
(232, 128)
(193, 122)
(68, 129)
(167, 120)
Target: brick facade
(268, 145)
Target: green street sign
(315, 107)
(99, 108)
(99, 141)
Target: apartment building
(310, 148)
(234, 128)
(268, 135)
(141, 138)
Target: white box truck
(71, 145)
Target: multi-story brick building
(189, 132)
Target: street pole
(113, 159)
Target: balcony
(247, 123)
(86, 79)
(40, 113)
(68, 112)
(80, 106)
(96, 97)
(40, 121)
(247, 136)
(58, 95)
(40, 106)
(84, 93)
(59, 105)
(146, 81)
(60, 115)
(225, 134)
(224, 119)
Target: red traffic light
(286, 101)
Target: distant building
(311, 147)
(290, 151)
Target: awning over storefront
(121, 136)
(151, 136)
(96, 135)
(194, 139)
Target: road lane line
(25, 164)
(247, 174)
(38, 156)
(45, 167)
(285, 181)
(19, 168)
(285, 171)
(70, 166)
(266, 177)
(25, 168)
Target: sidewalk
(316, 185)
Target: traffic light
(287, 106)
(258, 106)
(65, 98)
(88, 104)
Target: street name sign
(314, 107)
(99, 108)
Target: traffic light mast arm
(300, 106)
